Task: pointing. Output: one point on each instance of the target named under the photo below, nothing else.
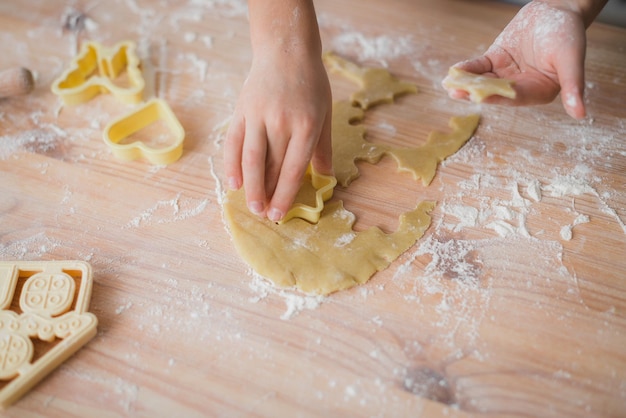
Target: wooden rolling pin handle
(16, 81)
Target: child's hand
(543, 50)
(281, 122)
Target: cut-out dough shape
(377, 84)
(322, 190)
(94, 70)
(422, 162)
(141, 117)
(53, 299)
(478, 86)
(329, 256)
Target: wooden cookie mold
(43, 321)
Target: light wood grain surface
(493, 313)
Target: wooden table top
(496, 311)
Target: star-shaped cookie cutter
(94, 71)
(141, 117)
(324, 186)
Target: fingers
(532, 87)
(297, 157)
(570, 72)
(480, 65)
(232, 152)
(322, 159)
(253, 156)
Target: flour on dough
(478, 86)
(329, 255)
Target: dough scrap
(422, 162)
(350, 144)
(478, 86)
(377, 84)
(329, 256)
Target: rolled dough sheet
(319, 258)
(478, 86)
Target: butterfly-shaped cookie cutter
(95, 70)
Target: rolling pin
(16, 81)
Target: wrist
(587, 10)
(284, 26)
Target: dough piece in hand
(377, 84)
(478, 86)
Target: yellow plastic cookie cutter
(324, 186)
(143, 116)
(94, 70)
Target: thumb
(322, 154)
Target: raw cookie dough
(329, 256)
(377, 84)
(421, 162)
(319, 258)
(478, 86)
(352, 145)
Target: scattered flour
(533, 189)
(566, 231)
(168, 211)
(295, 302)
(40, 141)
(33, 247)
(380, 49)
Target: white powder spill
(295, 301)
(566, 231)
(380, 49)
(534, 190)
(30, 248)
(449, 258)
(41, 141)
(168, 211)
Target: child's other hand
(543, 50)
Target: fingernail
(256, 207)
(275, 215)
